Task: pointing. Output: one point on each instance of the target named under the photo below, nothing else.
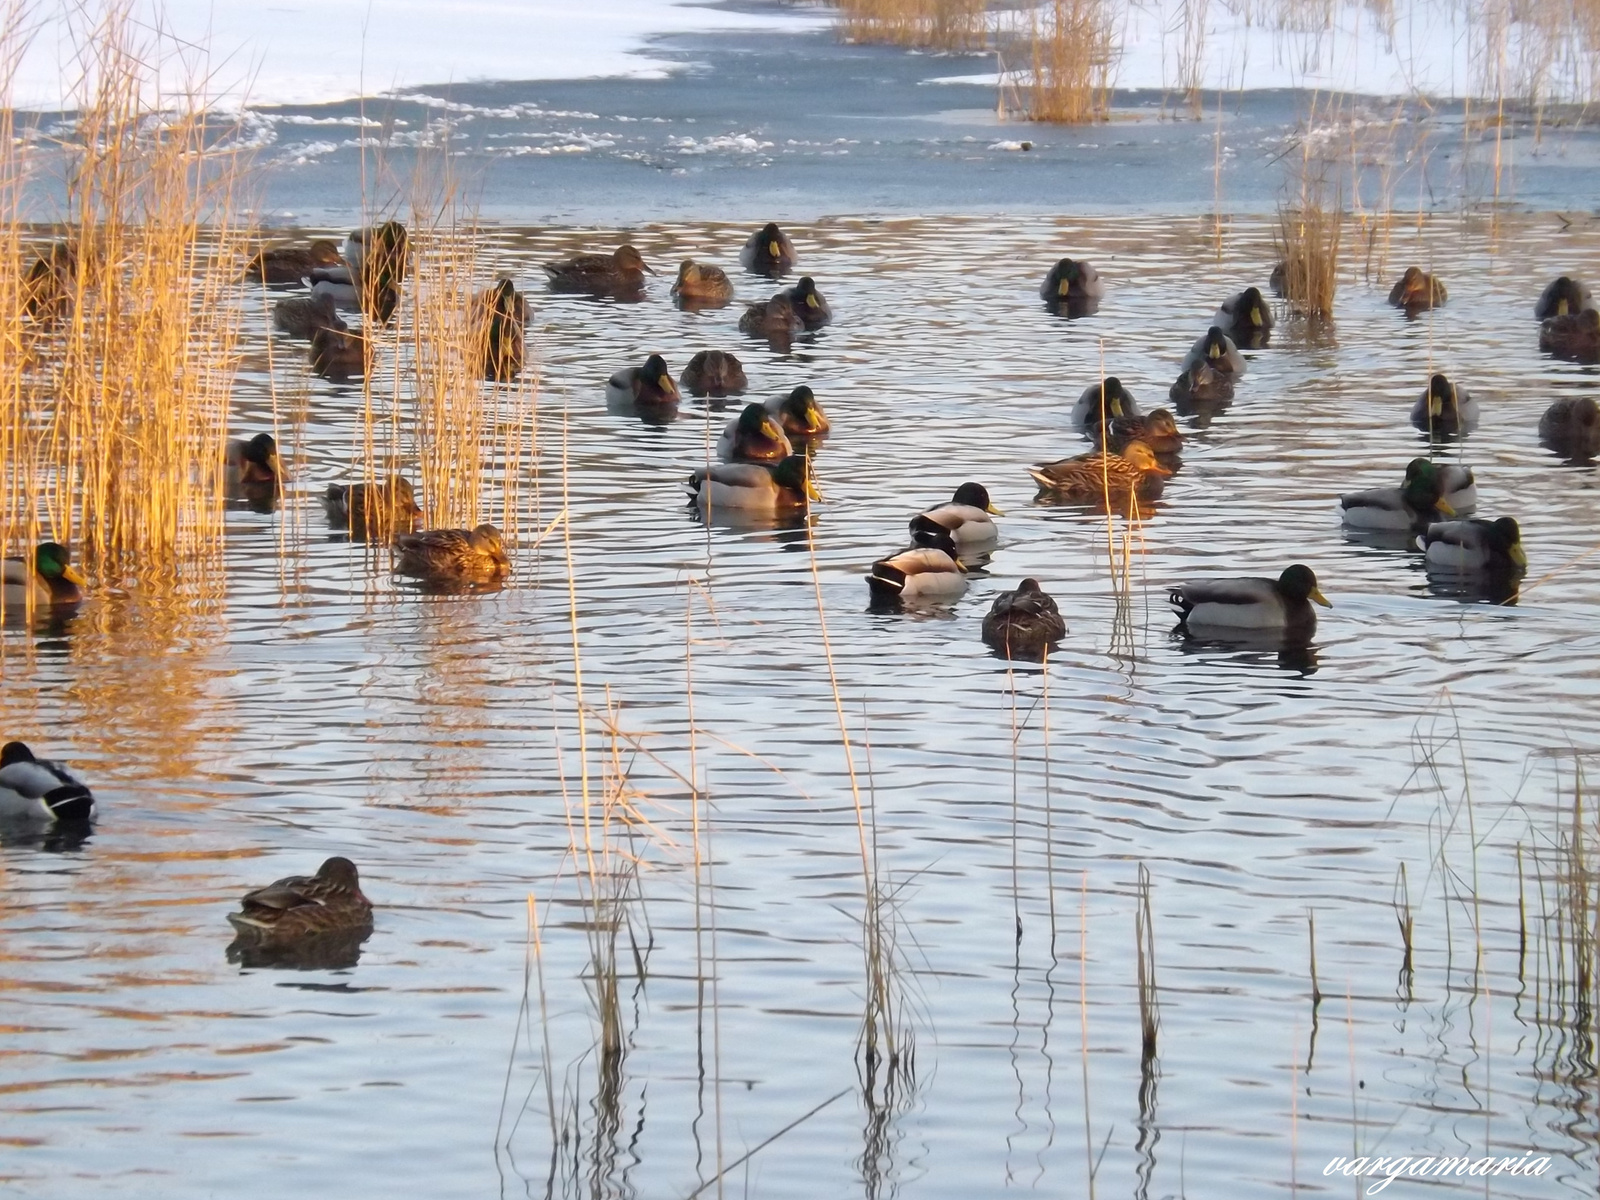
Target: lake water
(323, 710)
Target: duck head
(53, 561)
(1143, 459)
(1441, 395)
(806, 294)
(688, 273)
(756, 422)
(1253, 308)
(1299, 582)
(655, 371)
(772, 239)
(259, 460)
(794, 474)
(342, 873)
(975, 495)
(630, 259)
(1505, 535)
(1216, 345)
(801, 404)
(1423, 488)
(486, 540)
(1068, 275)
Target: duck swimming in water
(501, 317)
(1135, 474)
(373, 511)
(929, 571)
(967, 519)
(306, 906)
(1073, 288)
(1417, 291)
(1575, 336)
(37, 792)
(1158, 430)
(1571, 427)
(768, 252)
(252, 470)
(775, 320)
(809, 305)
(1281, 605)
(1102, 403)
(800, 415)
(302, 316)
(1475, 547)
(647, 387)
(1246, 318)
(700, 285)
(754, 436)
(1563, 296)
(713, 373)
(753, 488)
(51, 580)
(1023, 623)
(619, 275)
(453, 556)
(1414, 505)
(1445, 410)
(291, 264)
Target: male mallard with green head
(453, 556)
(1245, 317)
(52, 581)
(967, 519)
(809, 305)
(753, 488)
(1444, 409)
(645, 387)
(1563, 296)
(1474, 547)
(1251, 603)
(1414, 505)
(301, 906)
(753, 436)
(931, 570)
(1072, 288)
(800, 415)
(1101, 403)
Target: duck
(648, 387)
(1158, 430)
(700, 285)
(300, 906)
(1023, 623)
(809, 305)
(339, 354)
(774, 319)
(1103, 402)
(37, 791)
(252, 469)
(1245, 317)
(373, 511)
(1417, 291)
(53, 582)
(1216, 350)
(453, 556)
(1251, 603)
(1444, 409)
(1073, 285)
(1575, 336)
(1572, 427)
(1278, 280)
(713, 373)
(1458, 487)
(302, 316)
(291, 264)
(501, 315)
(1474, 547)
(800, 415)
(1563, 296)
(931, 570)
(380, 253)
(1414, 505)
(618, 274)
(768, 251)
(967, 519)
(50, 288)
(354, 293)
(754, 437)
(1135, 474)
(753, 488)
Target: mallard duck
(619, 274)
(809, 305)
(37, 791)
(1474, 547)
(1281, 604)
(1562, 297)
(799, 414)
(253, 467)
(50, 287)
(931, 570)
(501, 314)
(291, 264)
(753, 487)
(1414, 505)
(1572, 427)
(1445, 409)
(1158, 430)
(1073, 285)
(302, 316)
(1201, 390)
(646, 387)
(339, 354)
(1246, 317)
(713, 373)
(353, 293)
(769, 252)
(700, 285)
(379, 254)
(1101, 403)
(965, 520)
(1575, 336)
(453, 556)
(1216, 350)
(1023, 623)
(373, 511)
(754, 436)
(1112, 477)
(776, 319)
(1417, 291)
(53, 582)
(301, 906)
(1278, 280)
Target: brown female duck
(453, 556)
(299, 906)
(1134, 473)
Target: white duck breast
(43, 792)
(921, 573)
(1460, 489)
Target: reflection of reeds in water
(936, 24)
(117, 383)
(1310, 228)
(1073, 49)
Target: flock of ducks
(766, 470)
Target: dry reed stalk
(1402, 915)
(1311, 942)
(117, 393)
(1073, 48)
(956, 25)
(1144, 939)
(1309, 233)
(1191, 54)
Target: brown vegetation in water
(935, 24)
(1072, 47)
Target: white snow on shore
(293, 51)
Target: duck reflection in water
(320, 952)
(1251, 652)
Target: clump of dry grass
(117, 389)
(1310, 230)
(935, 24)
(1073, 49)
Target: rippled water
(433, 740)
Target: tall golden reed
(935, 24)
(116, 393)
(1310, 229)
(1073, 49)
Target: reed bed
(1073, 50)
(954, 25)
(1311, 229)
(119, 322)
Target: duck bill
(995, 511)
(1519, 557)
(668, 388)
(1318, 598)
(812, 493)
(1445, 507)
(811, 300)
(73, 576)
(775, 249)
(1064, 288)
